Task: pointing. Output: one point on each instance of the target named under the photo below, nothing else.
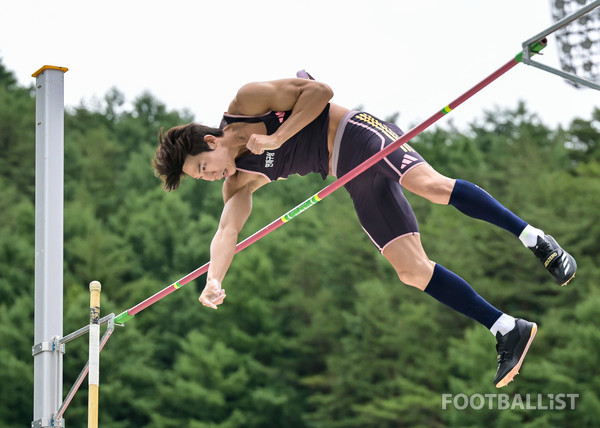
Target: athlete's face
(213, 165)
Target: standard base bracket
(52, 346)
(48, 422)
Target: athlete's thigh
(381, 207)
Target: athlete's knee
(438, 189)
(416, 274)
(430, 185)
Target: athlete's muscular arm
(237, 195)
(305, 98)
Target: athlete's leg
(475, 202)
(468, 198)
(407, 256)
(426, 182)
(514, 336)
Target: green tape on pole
(534, 48)
(123, 317)
(300, 208)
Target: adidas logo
(407, 160)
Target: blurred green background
(316, 331)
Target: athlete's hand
(213, 294)
(258, 143)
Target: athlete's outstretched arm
(237, 195)
(305, 98)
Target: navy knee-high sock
(475, 202)
(453, 291)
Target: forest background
(316, 330)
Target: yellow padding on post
(49, 67)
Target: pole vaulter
(533, 48)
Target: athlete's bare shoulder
(243, 181)
(276, 95)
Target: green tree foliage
(316, 331)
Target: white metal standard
(49, 182)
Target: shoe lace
(503, 355)
(542, 249)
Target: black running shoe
(511, 349)
(558, 262)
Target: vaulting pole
(130, 313)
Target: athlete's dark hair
(175, 145)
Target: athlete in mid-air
(289, 126)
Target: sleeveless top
(303, 153)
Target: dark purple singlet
(302, 154)
(382, 208)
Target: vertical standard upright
(49, 182)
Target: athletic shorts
(382, 208)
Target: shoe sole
(515, 371)
(567, 281)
